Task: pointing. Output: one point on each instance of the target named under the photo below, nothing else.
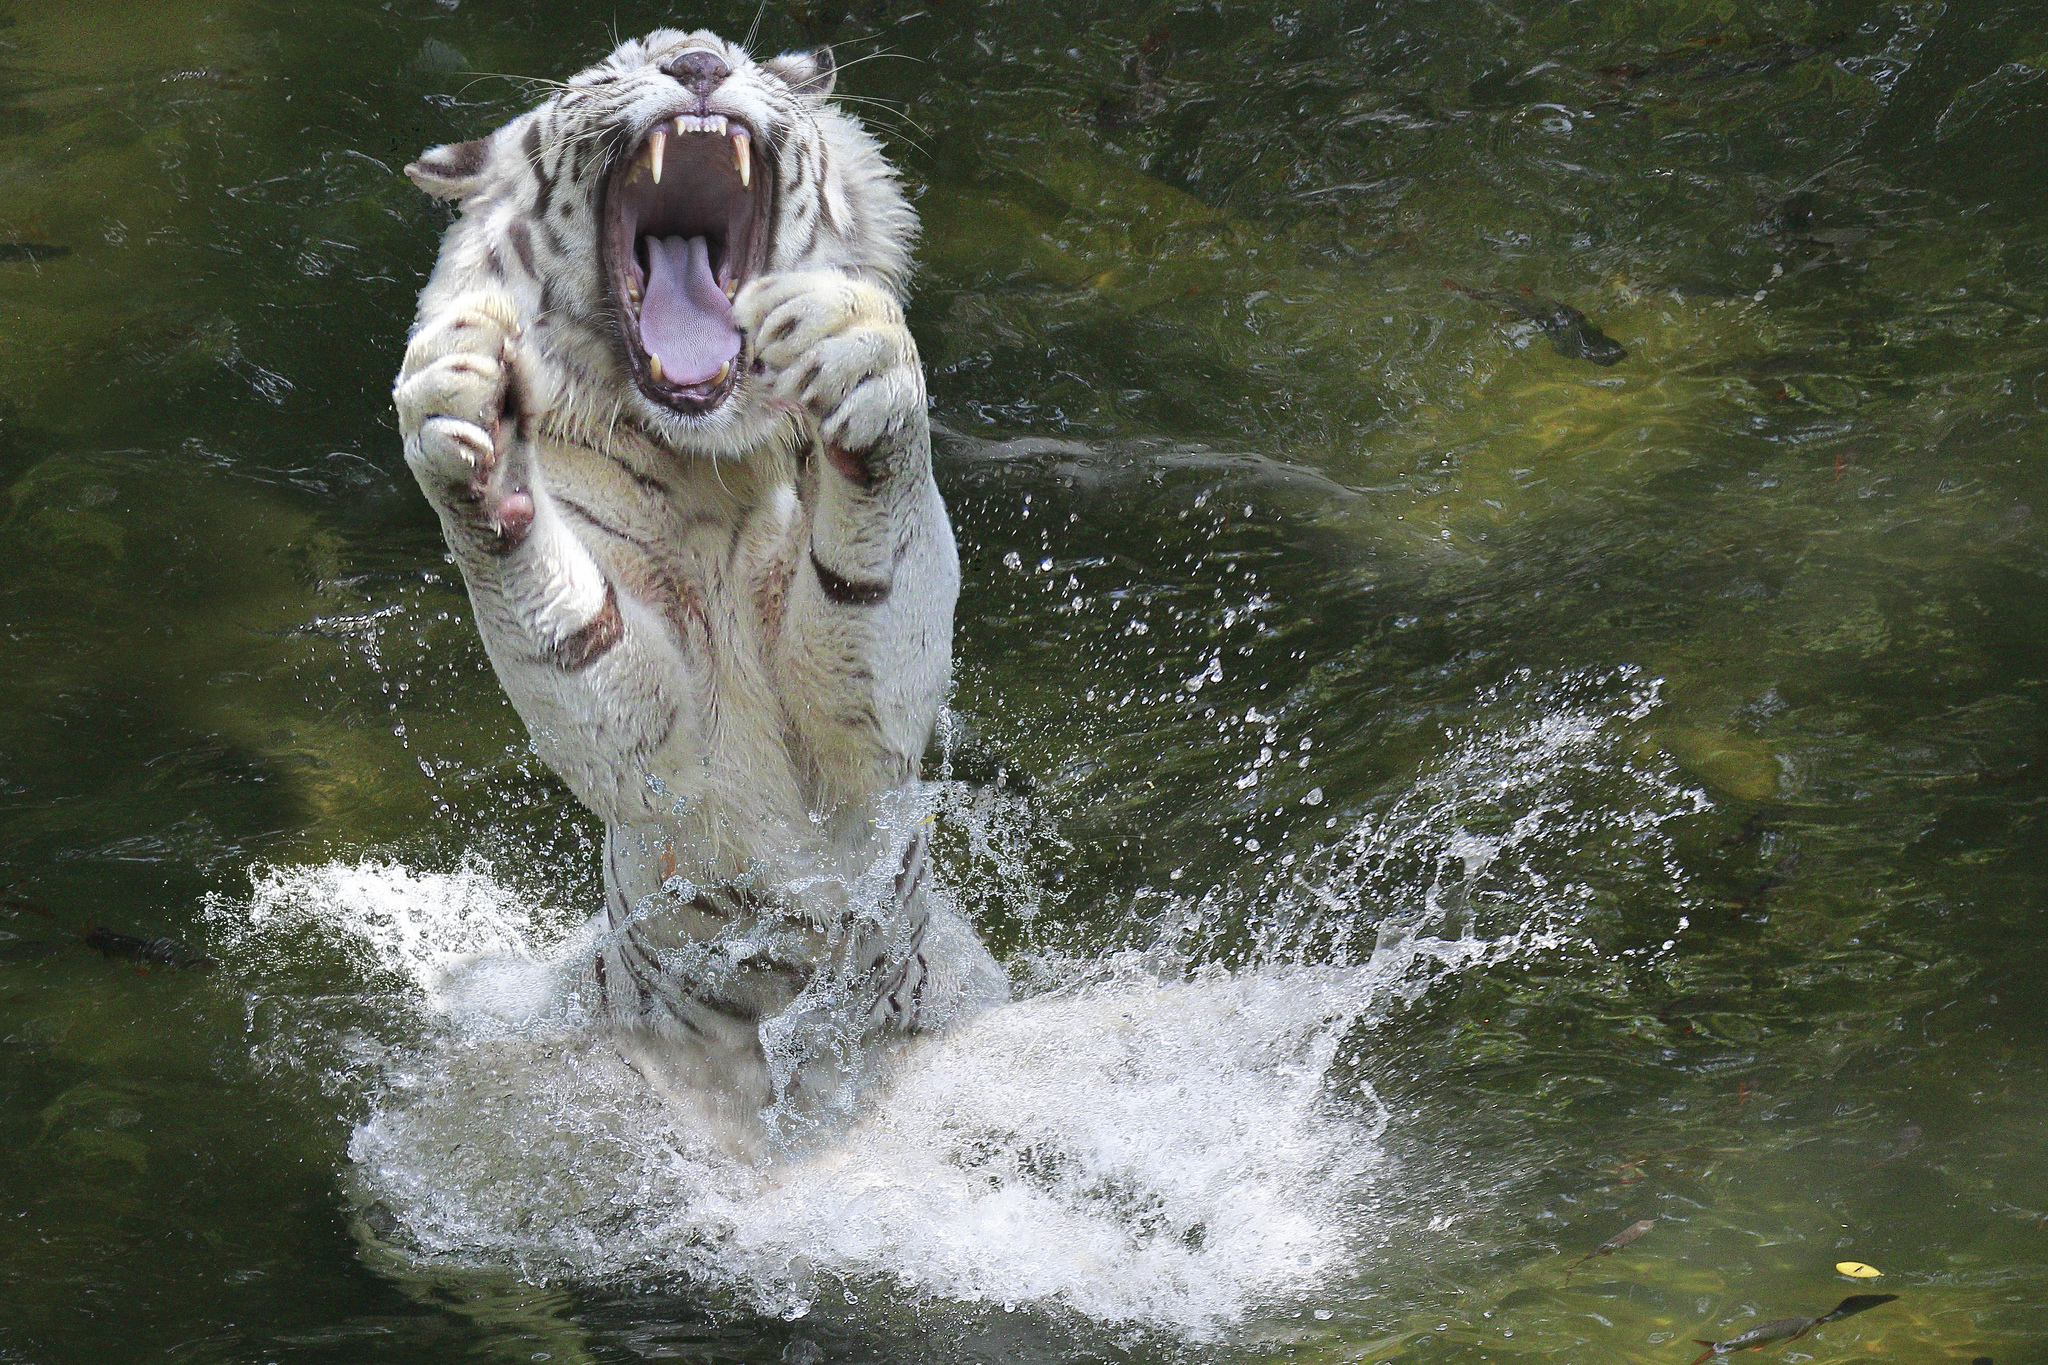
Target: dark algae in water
(1143, 97)
(1569, 330)
(160, 951)
(1717, 56)
(32, 251)
(157, 952)
(1788, 1329)
(1902, 1144)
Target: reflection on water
(1443, 801)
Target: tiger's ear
(807, 73)
(452, 171)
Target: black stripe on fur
(845, 591)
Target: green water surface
(1280, 556)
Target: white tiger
(661, 394)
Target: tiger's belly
(715, 973)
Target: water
(1439, 801)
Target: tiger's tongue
(685, 318)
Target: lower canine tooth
(655, 146)
(724, 373)
(654, 368)
(742, 158)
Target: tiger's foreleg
(865, 651)
(593, 673)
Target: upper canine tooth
(742, 157)
(655, 146)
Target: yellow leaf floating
(1856, 1270)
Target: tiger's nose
(699, 71)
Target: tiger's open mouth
(686, 225)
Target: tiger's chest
(705, 556)
(708, 549)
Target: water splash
(1503, 847)
(1159, 1138)
(1126, 1149)
(395, 927)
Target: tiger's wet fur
(727, 625)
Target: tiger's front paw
(459, 400)
(837, 348)
(451, 393)
(467, 422)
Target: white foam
(1147, 1142)
(415, 929)
(1126, 1148)
(1130, 1150)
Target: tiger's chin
(685, 225)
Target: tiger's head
(642, 195)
